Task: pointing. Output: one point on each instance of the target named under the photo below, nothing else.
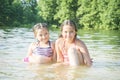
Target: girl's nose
(68, 34)
(43, 36)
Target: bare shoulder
(33, 45)
(59, 43)
(59, 40)
(79, 42)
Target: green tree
(99, 14)
(110, 14)
(5, 11)
(66, 9)
(29, 11)
(88, 13)
(47, 10)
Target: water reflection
(104, 48)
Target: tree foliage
(88, 14)
(47, 10)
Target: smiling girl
(41, 51)
(71, 50)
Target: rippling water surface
(104, 48)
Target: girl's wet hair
(70, 23)
(39, 26)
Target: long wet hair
(70, 23)
(39, 26)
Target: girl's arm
(54, 58)
(58, 51)
(29, 53)
(83, 49)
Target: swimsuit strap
(64, 49)
(64, 46)
(49, 43)
(64, 52)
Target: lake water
(104, 48)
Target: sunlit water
(104, 48)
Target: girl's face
(68, 33)
(42, 35)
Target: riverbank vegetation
(88, 14)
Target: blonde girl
(41, 51)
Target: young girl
(69, 48)
(43, 50)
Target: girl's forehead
(42, 30)
(68, 27)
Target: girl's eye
(68, 32)
(46, 33)
(40, 35)
(43, 34)
(65, 31)
(71, 31)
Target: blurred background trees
(88, 14)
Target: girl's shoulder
(34, 44)
(59, 40)
(78, 41)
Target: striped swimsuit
(43, 51)
(65, 54)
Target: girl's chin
(44, 41)
(68, 40)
